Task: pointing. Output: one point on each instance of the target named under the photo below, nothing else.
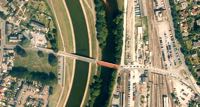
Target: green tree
(52, 59)
(40, 53)
(20, 51)
(24, 42)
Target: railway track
(154, 44)
(168, 93)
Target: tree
(20, 51)
(52, 59)
(40, 53)
(24, 42)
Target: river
(82, 48)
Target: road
(2, 39)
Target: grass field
(34, 63)
(145, 26)
(53, 99)
(68, 79)
(64, 23)
(138, 21)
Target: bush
(40, 54)
(24, 42)
(52, 59)
(20, 51)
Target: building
(38, 25)
(165, 101)
(196, 44)
(183, 5)
(198, 22)
(14, 38)
(39, 39)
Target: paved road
(2, 39)
(175, 73)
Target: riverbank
(65, 32)
(82, 48)
(109, 35)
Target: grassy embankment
(82, 48)
(66, 32)
(91, 21)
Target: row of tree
(109, 34)
(51, 36)
(101, 25)
(43, 77)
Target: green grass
(91, 23)
(188, 44)
(68, 79)
(53, 99)
(64, 23)
(145, 26)
(34, 63)
(120, 4)
(138, 21)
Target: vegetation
(20, 51)
(101, 26)
(40, 53)
(194, 103)
(43, 77)
(64, 24)
(109, 25)
(24, 42)
(33, 62)
(51, 36)
(52, 59)
(185, 42)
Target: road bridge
(173, 73)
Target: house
(14, 38)
(198, 22)
(196, 44)
(3, 3)
(183, 5)
(184, 28)
(195, 10)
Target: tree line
(179, 37)
(43, 77)
(109, 35)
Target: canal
(82, 48)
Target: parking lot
(170, 56)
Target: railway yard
(150, 41)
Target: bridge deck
(107, 64)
